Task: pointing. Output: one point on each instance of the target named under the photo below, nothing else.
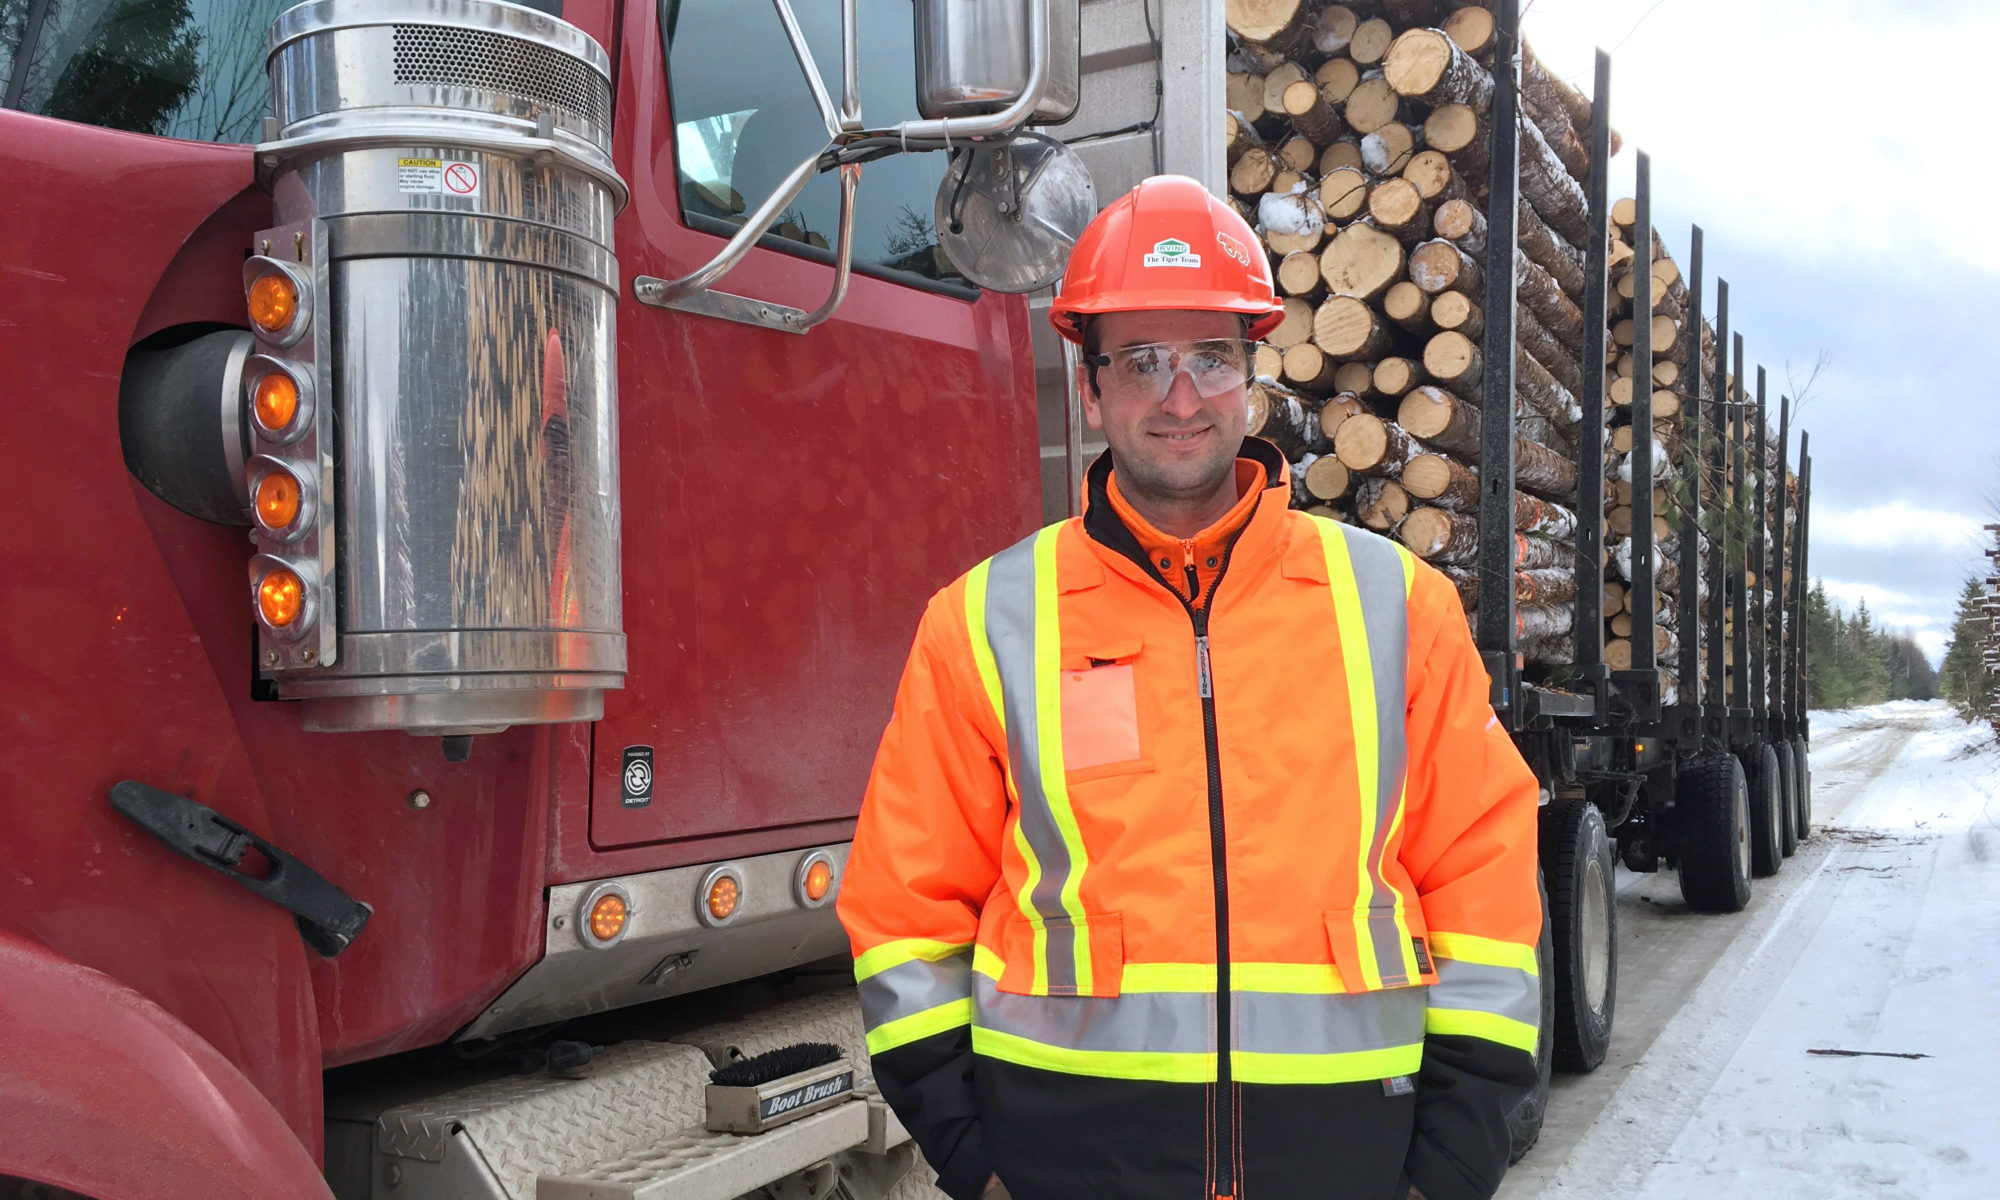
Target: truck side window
(744, 117)
(188, 69)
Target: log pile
(1359, 147)
(1678, 353)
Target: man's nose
(1183, 400)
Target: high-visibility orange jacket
(1166, 900)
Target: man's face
(1179, 448)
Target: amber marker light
(275, 401)
(607, 917)
(274, 301)
(281, 597)
(722, 897)
(278, 500)
(819, 880)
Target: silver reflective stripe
(1184, 1022)
(907, 989)
(1504, 991)
(1288, 1023)
(1010, 630)
(1378, 573)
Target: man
(1194, 864)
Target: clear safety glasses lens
(1215, 367)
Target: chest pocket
(1101, 727)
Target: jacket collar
(1262, 536)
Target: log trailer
(1699, 762)
(1688, 752)
(441, 840)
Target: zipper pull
(1201, 665)
(1187, 564)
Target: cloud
(1896, 525)
(1771, 121)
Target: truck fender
(104, 1092)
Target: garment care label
(437, 176)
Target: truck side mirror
(973, 57)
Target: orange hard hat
(1167, 244)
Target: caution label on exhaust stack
(437, 177)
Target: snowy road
(1881, 935)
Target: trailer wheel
(1714, 801)
(1576, 853)
(1802, 771)
(1766, 855)
(1788, 799)
(1524, 1121)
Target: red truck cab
(787, 500)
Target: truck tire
(1788, 800)
(1802, 762)
(1714, 802)
(1524, 1120)
(1761, 773)
(1576, 857)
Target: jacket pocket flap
(1084, 956)
(1379, 948)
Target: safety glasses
(1216, 367)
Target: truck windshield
(744, 118)
(189, 69)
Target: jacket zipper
(1225, 1107)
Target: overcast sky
(1839, 159)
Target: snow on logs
(1358, 143)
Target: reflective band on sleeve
(1023, 629)
(1520, 1035)
(1502, 991)
(902, 950)
(1492, 952)
(982, 651)
(914, 987)
(917, 1026)
(1370, 578)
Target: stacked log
(1676, 360)
(1358, 139)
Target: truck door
(790, 501)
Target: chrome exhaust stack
(444, 193)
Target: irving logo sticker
(1172, 253)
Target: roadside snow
(1887, 948)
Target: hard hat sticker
(1172, 252)
(1232, 247)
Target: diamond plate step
(698, 1165)
(613, 1133)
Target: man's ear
(1093, 412)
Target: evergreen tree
(1965, 680)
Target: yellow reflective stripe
(1355, 657)
(1487, 952)
(1350, 1067)
(1492, 1027)
(1306, 979)
(982, 650)
(904, 1030)
(1138, 978)
(1181, 1067)
(1055, 783)
(902, 950)
(1161, 1066)
(988, 963)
